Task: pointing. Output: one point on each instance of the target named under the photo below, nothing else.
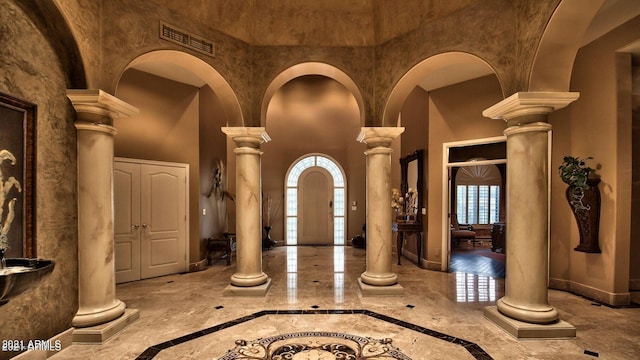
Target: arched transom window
(291, 200)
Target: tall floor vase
(267, 242)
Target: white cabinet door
(150, 212)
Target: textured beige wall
(166, 129)
(213, 148)
(597, 125)
(634, 273)
(415, 120)
(285, 23)
(455, 114)
(131, 28)
(489, 32)
(394, 18)
(32, 71)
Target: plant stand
(586, 210)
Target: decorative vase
(585, 204)
(267, 242)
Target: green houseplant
(583, 195)
(575, 173)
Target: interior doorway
(475, 206)
(315, 202)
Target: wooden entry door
(315, 207)
(150, 219)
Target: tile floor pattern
(325, 278)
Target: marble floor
(315, 300)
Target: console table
(409, 228)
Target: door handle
(144, 226)
(135, 226)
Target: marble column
(527, 196)
(248, 280)
(379, 278)
(96, 268)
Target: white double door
(150, 203)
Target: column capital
(379, 136)
(532, 104)
(247, 136)
(97, 106)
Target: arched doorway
(457, 87)
(183, 102)
(315, 202)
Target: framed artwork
(17, 186)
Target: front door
(315, 207)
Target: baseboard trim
(410, 256)
(605, 297)
(431, 265)
(199, 265)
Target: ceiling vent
(184, 38)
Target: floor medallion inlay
(315, 346)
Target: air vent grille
(184, 38)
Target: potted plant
(583, 195)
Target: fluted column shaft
(96, 265)
(527, 196)
(248, 206)
(379, 234)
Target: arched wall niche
(311, 68)
(183, 67)
(434, 72)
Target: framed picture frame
(17, 174)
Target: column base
(248, 281)
(522, 330)
(379, 280)
(543, 315)
(247, 291)
(98, 317)
(100, 333)
(385, 290)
